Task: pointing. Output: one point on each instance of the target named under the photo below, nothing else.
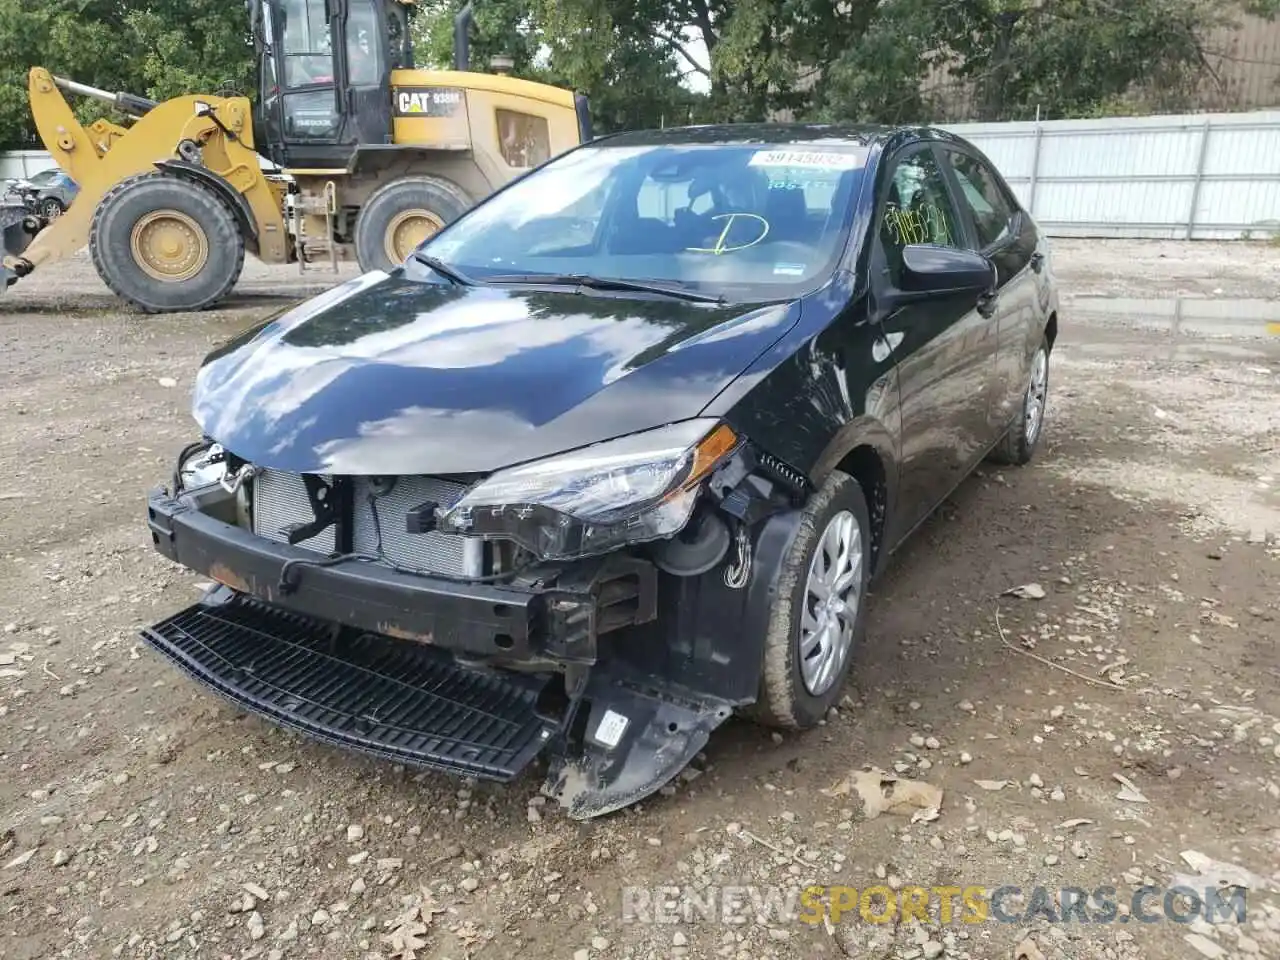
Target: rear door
(943, 345)
(1000, 233)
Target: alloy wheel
(1037, 394)
(831, 598)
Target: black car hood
(390, 375)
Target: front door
(366, 43)
(326, 79)
(944, 346)
(310, 120)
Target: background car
(48, 192)
(614, 455)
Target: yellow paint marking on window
(923, 224)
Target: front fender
(863, 432)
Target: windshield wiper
(442, 268)
(606, 283)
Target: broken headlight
(630, 490)
(206, 465)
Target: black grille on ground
(392, 698)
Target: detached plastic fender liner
(633, 744)
(239, 205)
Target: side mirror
(928, 268)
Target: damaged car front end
(467, 626)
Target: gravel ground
(143, 817)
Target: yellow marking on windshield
(720, 247)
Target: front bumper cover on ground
(393, 665)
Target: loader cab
(324, 69)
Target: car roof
(736, 133)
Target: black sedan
(611, 457)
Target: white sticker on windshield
(818, 159)
(788, 269)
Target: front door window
(310, 110)
(308, 53)
(918, 209)
(364, 52)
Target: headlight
(630, 490)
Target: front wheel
(51, 208)
(166, 244)
(818, 622)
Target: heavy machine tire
(831, 549)
(400, 215)
(166, 244)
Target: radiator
(280, 499)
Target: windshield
(45, 177)
(735, 219)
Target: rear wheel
(1019, 445)
(166, 244)
(817, 623)
(401, 215)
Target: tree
(629, 79)
(810, 59)
(155, 48)
(1060, 58)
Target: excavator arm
(213, 135)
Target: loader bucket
(15, 237)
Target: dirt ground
(143, 817)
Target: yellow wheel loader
(347, 151)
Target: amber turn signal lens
(710, 450)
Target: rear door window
(992, 210)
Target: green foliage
(155, 48)
(857, 60)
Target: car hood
(390, 375)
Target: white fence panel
(1200, 176)
(24, 163)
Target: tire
(1019, 444)
(786, 699)
(51, 208)
(404, 209)
(202, 270)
